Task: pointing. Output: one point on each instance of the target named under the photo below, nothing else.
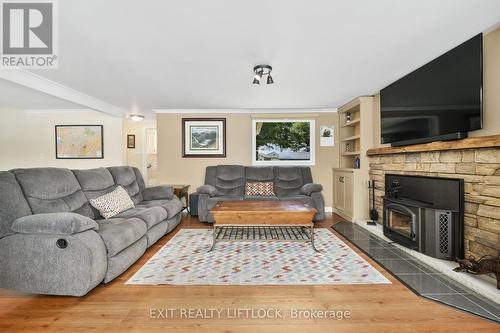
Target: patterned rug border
(180, 233)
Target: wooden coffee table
(263, 220)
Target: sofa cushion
(261, 197)
(150, 215)
(311, 188)
(112, 203)
(207, 189)
(52, 190)
(173, 206)
(13, 205)
(94, 183)
(210, 175)
(259, 174)
(127, 178)
(230, 180)
(160, 192)
(287, 180)
(54, 223)
(120, 233)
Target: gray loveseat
(53, 242)
(227, 182)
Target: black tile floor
(422, 279)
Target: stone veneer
(480, 169)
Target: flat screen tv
(441, 100)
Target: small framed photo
(326, 138)
(204, 137)
(131, 141)
(79, 141)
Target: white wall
(27, 139)
(135, 156)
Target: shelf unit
(351, 153)
(350, 138)
(352, 123)
(355, 138)
(350, 132)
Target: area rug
(184, 260)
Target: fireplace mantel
(469, 143)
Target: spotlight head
(270, 79)
(256, 79)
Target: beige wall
(491, 85)
(175, 169)
(491, 89)
(27, 139)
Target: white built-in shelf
(350, 153)
(350, 138)
(352, 123)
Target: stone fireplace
(475, 160)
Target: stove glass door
(401, 223)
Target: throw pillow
(259, 188)
(112, 203)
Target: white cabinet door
(348, 193)
(338, 190)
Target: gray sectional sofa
(227, 182)
(52, 241)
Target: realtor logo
(28, 34)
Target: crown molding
(249, 110)
(65, 110)
(49, 87)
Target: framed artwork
(79, 141)
(204, 137)
(131, 141)
(326, 138)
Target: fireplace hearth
(425, 214)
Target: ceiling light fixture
(261, 71)
(136, 117)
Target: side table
(181, 191)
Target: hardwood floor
(116, 307)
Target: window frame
(312, 141)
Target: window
(282, 142)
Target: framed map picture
(79, 142)
(203, 137)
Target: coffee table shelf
(232, 233)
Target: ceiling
(16, 96)
(140, 55)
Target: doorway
(150, 156)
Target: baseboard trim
(342, 214)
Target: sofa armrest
(161, 192)
(207, 189)
(53, 223)
(311, 188)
